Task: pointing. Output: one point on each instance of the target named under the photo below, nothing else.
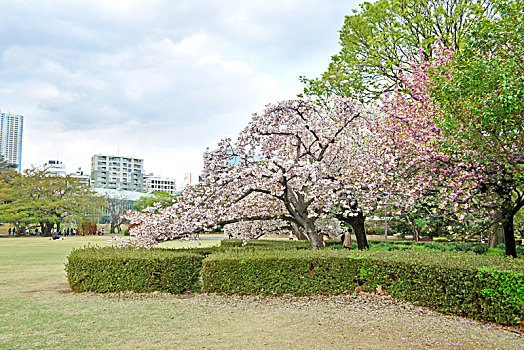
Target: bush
(278, 272)
(466, 284)
(265, 244)
(109, 269)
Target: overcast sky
(158, 80)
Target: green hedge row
(273, 244)
(110, 269)
(265, 244)
(466, 284)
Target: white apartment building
(117, 172)
(81, 177)
(154, 183)
(11, 129)
(55, 167)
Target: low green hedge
(109, 269)
(466, 284)
(265, 244)
(277, 272)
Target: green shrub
(265, 244)
(394, 241)
(490, 288)
(480, 248)
(112, 269)
(278, 272)
(449, 282)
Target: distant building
(81, 177)
(55, 167)
(116, 172)
(154, 183)
(11, 129)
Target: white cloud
(160, 80)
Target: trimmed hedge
(277, 272)
(109, 269)
(265, 244)
(466, 284)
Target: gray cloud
(155, 79)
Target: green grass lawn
(38, 311)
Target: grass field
(38, 311)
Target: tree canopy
(38, 198)
(383, 36)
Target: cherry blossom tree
(294, 167)
(432, 161)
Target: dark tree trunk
(357, 223)
(507, 231)
(113, 225)
(48, 228)
(509, 236)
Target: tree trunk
(315, 239)
(414, 228)
(48, 228)
(113, 225)
(496, 238)
(357, 223)
(299, 232)
(17, 228)
(506, 234)
(509, 236)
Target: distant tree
(384, 36)
(12, 209)
(6, 166)
(164, 198)
(116, 207)
(37, 197)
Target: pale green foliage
(481, 89)
(165, 199)
(37, 198)
(382, 36)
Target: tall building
(116, 172)
(11, 128)
(154, 183)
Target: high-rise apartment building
(116, 172)
(11, 128)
